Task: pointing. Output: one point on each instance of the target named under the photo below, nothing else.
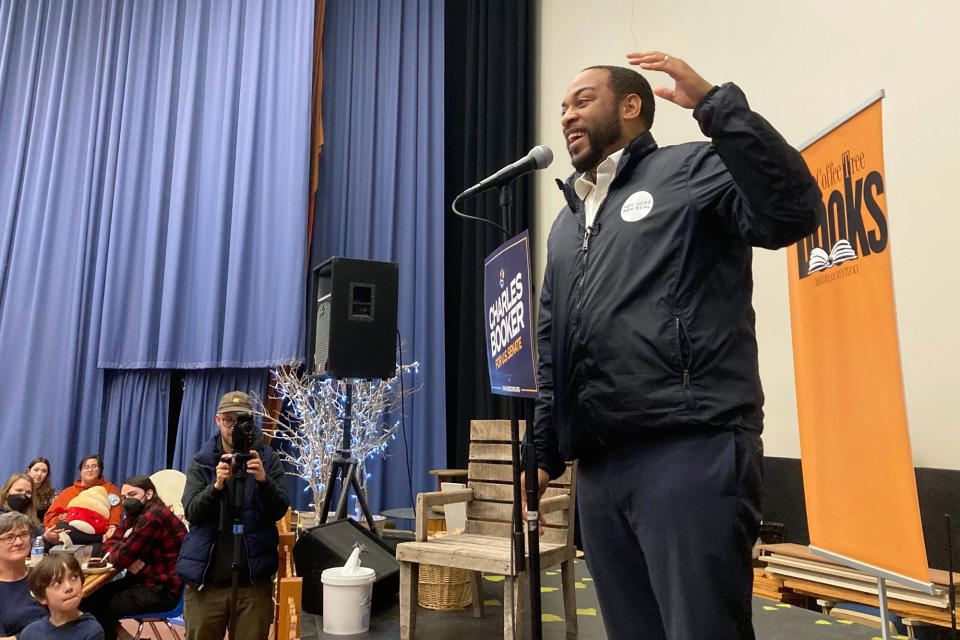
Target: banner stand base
(882, 576)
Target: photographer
(234, 480)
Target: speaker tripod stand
(345, 467)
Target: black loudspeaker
(329, 545)
(354, 318)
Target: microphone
(539, 157)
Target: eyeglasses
(90, 467)
(9, 539)
(228, 422)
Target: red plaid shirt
(155, 537)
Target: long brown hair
(31, 511)
(44, 494)
(146, 484)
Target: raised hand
(689, 87)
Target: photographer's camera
(242, 443)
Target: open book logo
(820, 259)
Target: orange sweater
(58, 509)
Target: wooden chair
(485, 544)
(289, 592)
(284, 524)
(289, 599)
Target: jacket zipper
(684, 361)
(581, 280)
(203, 577)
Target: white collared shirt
(592, 194)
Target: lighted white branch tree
(313, 423)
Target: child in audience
(57, 583)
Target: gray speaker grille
(322, 343)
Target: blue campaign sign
(506, 304)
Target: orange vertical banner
(858, 475)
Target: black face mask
(19, 501)
(132, 507)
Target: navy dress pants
(667, 524)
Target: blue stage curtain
(380, 197)
(207, 244)
(52, 221)
(202, 391)
(136, 407)
(153, 199)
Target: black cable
(453, 206)
(403, 422)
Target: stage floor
(770, 620)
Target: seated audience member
(91, 475)
(43, 492)
(17, 606)
(17, 495)
(57, 584)
(146, 544)
(87, 519)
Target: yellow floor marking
(553, 573)
(769, 608)
(579, 585)
(587, 612)
(845, 621)
(493, 603)
(547, 589)
(783, 606)
(587, 579)
(549, 617)
(822, 622)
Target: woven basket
(443, 588)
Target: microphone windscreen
(542, 156)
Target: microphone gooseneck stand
(538, 158)
(523, 406)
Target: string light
(313, 422)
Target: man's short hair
(51, 568)
(623, 82)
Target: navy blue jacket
(264, 504)
(646, 320)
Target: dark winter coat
(203, 505)
(646, 320)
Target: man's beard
(602, 136)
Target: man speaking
(648, 366)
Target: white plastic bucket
(346, 600)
